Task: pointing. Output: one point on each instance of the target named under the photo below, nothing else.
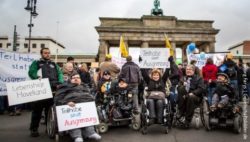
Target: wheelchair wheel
(136, 122)
(204, 111)
(51, 123)
(103, 127)
(238, 120)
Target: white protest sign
(154, 58)
(79, 116)
(28, 91)
(14, 68)
(201, 59)
(119, 61)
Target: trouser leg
(192, 102)
(37, 109)
(47, 104)
(75, 133)
(181, 100)
(159, 109)
(135, 97)
(88, 131)
(215, 99)
(151, 108)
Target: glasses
(75, 77)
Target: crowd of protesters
(188, 84)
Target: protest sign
(79, 116)
(14, 68)
(201, 59)
(154, 58)
(28, 91)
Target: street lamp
(31, 7)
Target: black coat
(69, 92)
(156, 85)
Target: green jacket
(49, 70)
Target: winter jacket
(224, 89)
(231, 69)
(131, 72)
(209, 71)
(69, 92)
(248, 74)
(49, 69)
(197, 86)
(156, 85)
(174, 75)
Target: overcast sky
(76, 19)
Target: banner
(14, 68)
(154, 58)
(201, 59)
(28, 91)
(82, 115)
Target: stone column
(103, 50)
(144, 44)
(211, 47)
(184, 54)
(173, 44)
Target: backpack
(231, 71)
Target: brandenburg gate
(148, 32)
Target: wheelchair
(167, 114)
(52, 126)
(228, 116)
(112, 114)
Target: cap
(223, 74)
(230, 56)
(109, 56)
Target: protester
(68, 69)
(156, 83)
(190, 91)
(70, 94)
(209, 72)
(131, 72)
(107, 65)
(197, 70)
(222, 93)
(50, 70)
(85, 75)
(240, 78)
(230, 68)
(103, 87)
(248, 78)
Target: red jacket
(209, 71)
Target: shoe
(151, 121)
(187, 124)
(95, 136)
(159, 121)
(79, 139)
(34, 133)
(11, 114)
(18, 112)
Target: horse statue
(156, 10)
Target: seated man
(189, 94)
(71, 93)
(222, 93)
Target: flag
(123, 48)
(168, 45)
